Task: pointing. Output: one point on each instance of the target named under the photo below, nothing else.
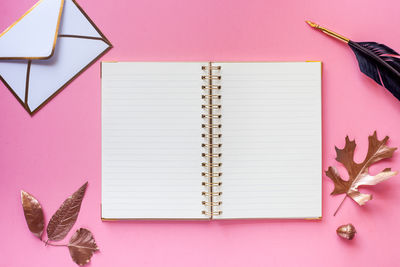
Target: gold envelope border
(55, 35)
(103, 38)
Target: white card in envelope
(44, 50)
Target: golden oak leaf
(359, 172)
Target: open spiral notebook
(211, 140)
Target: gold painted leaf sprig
(359, 172)
(81, 245)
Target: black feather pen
(377, 61)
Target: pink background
(52, 153)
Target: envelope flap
(76, 22)
(34, 35)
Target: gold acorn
(347, 231)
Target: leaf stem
(341, 203)
(54, 245)
(57, 245)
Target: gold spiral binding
(214, 204)
(213, 165)
(212, 213)
(211, 96)
(211, 193)
(212, 106)
(211, 136)
(211, 184)
(211, 77)
(209, 87)
(211, 174)
(211, 67)
(214, 116)
(211, 155)
(211, 145)
(211, 127)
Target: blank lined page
(151, 140)
(271, 152)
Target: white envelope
(44, 50)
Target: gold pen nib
(312, 24)
(328, 32)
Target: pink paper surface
(52, 153)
